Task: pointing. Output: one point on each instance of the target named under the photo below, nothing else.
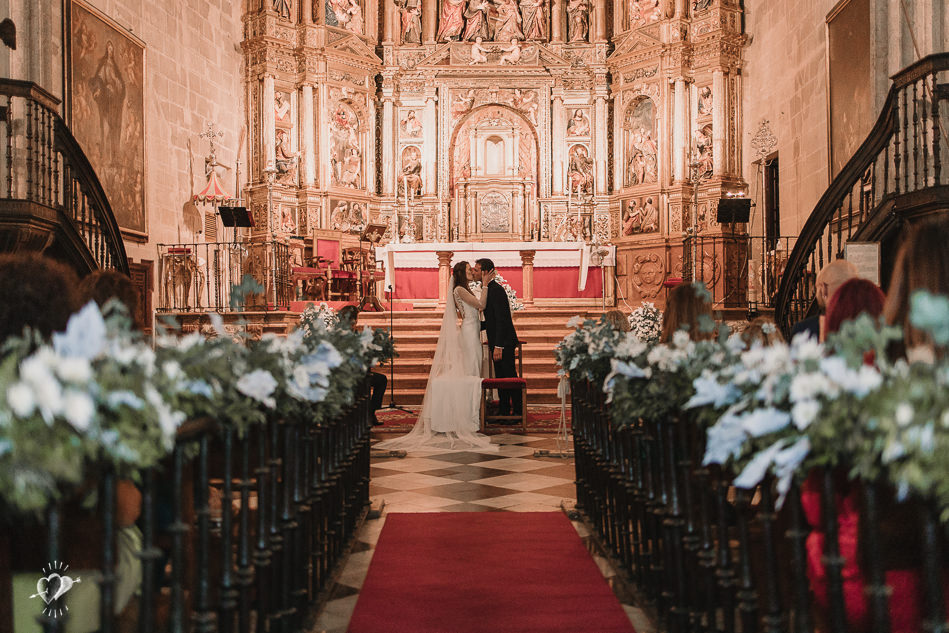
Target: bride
(450, 414)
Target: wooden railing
(903, 154)
(48, 188)
(710, 557)
(291, 492)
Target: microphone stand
(392, 405)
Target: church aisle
(511, 480)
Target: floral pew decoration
(99, 394)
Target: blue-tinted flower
(709, 391)
(78, 409)
(125, 398)
(85, 334)
(931, 313)
(756, 469)
(259, 385)
(763, 421)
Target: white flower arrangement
(645, 322)
(322, 313)
(513, 301)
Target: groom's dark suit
(500, 329)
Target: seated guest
(687, 309)
(853, 298)
(37, 292)
(921, 264)
(377, 381)
(102, 285)
(829, 280)
(761, 331)
(618, 320)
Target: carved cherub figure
(478, 52)
(512, 54)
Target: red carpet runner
(484, 572)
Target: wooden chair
(490, 384)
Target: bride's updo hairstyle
(459, 272)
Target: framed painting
(107, 110)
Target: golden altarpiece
(503, 120)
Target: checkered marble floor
(508, 480)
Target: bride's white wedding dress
(451, 408)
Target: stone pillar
(431, 145)
(527, 268)
(371, 147)
(599, 20)
(719, 132)
(444, 272)
(307, 8)
(391, 30)
(599, 139)
(680, 124)
(308, 136)
(680, 9)
(557, 155)
(619, 161)
(556, 21)
(388, 144)
(619, 19)
(323, 141)
(429, 20)
(270, 123)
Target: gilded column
(557, 140)
(428, 125)
(719, 133)
(269, 121)
(599, 20)
(444, 271)
(619, 166)
(391, 33)
(322, 141)
(600, 144)
(680, 130)
(527, 266)
(307, 8)
(619, 20)
(388, 146)
(308, 136)
(680, 9)
(556, 21)
(429, 20)
(371, 147)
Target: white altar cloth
(503, 254)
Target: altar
(541, 273)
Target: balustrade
(713, 558)
(262, 558)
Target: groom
(502, 338)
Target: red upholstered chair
(489, 384)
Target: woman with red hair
(853, 298)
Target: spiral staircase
(895, 177)
(51, 200)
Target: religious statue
(650, 217)
(281, 107)
(508, 25)
(703, 144)
(411, 177)
(410, 125)
(478, 53)
(476, 20)
(462, 102)
(580, 170)
(525, 100)
(409, 230)
(578, 26)
(410, 12)
(534, 19)
(705, 100)
(285, 159)
(287, 225)
(282, 7)
(451, 21)
(352, 165)
(634, 218)
(578, 125)
(511, 55)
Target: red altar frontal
(541, 273)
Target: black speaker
(733, 210)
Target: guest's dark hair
(684, 311)
(853, 298)
(459, 272)
(618, 320)
(348, 313)
(921, 264)
(486, 265)
(102, 285)
(37, 292)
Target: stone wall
(785, 82)
(193, 75)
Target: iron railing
(721, 264)
(292, 493)
(47, 183)
(710, 557)
(208, 276)
(903, 154)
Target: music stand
(373, 234)
(234, 218)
